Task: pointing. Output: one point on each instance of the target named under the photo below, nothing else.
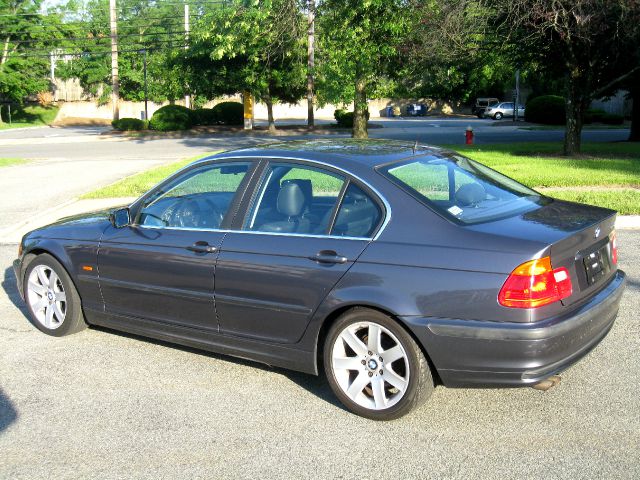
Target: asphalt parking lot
(103, 405)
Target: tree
(358, 43)
(23, 61)
(580, 41)
(258, 46)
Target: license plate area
(596, 265)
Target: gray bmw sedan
(389, 267)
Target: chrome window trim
(204, 161)
(252, 232)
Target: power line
(96, 53)
(105, 37)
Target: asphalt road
(103, 405)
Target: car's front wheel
(374, 366)
(51, 297)
(498, 116)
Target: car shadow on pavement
(314, 384)
(11, 289)
(8, 413)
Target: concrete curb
(14, 233)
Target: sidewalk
(14, 233)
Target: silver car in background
(504, 109)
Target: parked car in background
(417, 109)
(481, 104)
(504, 109)
(384, 265)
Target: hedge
(546, 109)
(127, 124)
(345, 119)
(229, 113)
(172, 117)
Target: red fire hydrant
(468, 135)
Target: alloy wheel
(47, 297)
(370, 365)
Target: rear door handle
(202, 247)
(328, 256)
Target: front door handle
(328, 256)
(202, 247)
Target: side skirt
(267, 353)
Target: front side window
(462, 189)
(295, 199)
(198, 199)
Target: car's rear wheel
(374, 366)
(498, 116)
(51, 297)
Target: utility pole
(311, 21)
(517, 95)
(146, 109)
(52, 65)
(187, 97)
(115, 83)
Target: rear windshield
(463, 190)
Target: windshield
(463, 190)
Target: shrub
(594, 115)
(344, 118)
(172, 117)
(612, 119)
(126, 124)
(205, 116)
(546, 109)
(229, 113)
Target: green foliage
(254, 46)
(612, 119)
(171, 117)
(205, 116)
(345, 118)
(546, 109)
(129, 124)
(229, 113)
(593, 115)
(29, 115)
(358, 39)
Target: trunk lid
(579, 239)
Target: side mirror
(120, 218)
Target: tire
(51, 297)
(353, 366)
(498, 116)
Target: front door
(162, 266)
(305, 230)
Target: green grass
(603, 168)
(5, 162)
(626, 201)
(137, 184)
(31, 116)
(607, 174)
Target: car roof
(336, 151)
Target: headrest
(470, 194)
(291, 200)
(305, 186)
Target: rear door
(304, 230)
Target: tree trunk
(360, 107)
(634, 136)
(272, 123)
(576, 104)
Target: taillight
(614, 247)
(534, 284)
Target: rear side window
(358, 215)
(462, 189)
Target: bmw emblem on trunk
(596, 233)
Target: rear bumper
(17, 270)
(467, 353)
